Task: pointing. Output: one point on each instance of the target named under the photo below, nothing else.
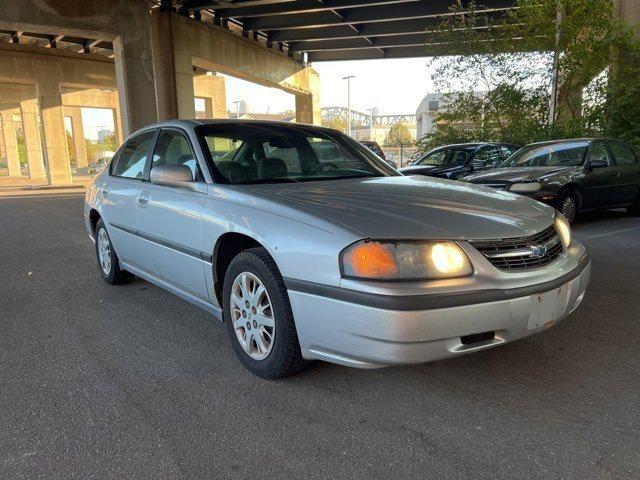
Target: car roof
(570, 140)
(191, 123)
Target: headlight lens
(379, 260)
(527, 187)
(563, 229)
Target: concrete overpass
(148, 60)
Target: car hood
(407, 207)
(515, 174)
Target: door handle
(143, 199)
(105, 192)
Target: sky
(394, 86)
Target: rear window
(623, 154)
(133, 157)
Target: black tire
(634, 210)
(569, 205)
(115, 275)
(285, 357)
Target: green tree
(399, 134)
(336, 123)
(512, 63)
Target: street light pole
(237, 104)
(348, 79)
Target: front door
(169, 221)
(120, 195)
(601, 183)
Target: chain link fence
(402, 155)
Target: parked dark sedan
(375, 148)
(455, 161)
(572, 175)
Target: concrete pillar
(308, 104)
(173, 70)
(31, 126)
(78, 135)
(134, 74)
(53, 125)
(213, 89)
(10, 142)
(622, 63)
(629, 12)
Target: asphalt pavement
(100, 381)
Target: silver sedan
(309, 247)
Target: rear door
(628, 179)
(169, 220)
(601, 183)
(120, 193)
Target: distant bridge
(361, 118)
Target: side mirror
(179, 176)
(596, 164)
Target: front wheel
(568, 206)
(258, 316)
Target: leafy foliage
(398, 134)
(512, 64)
(336, 123)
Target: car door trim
(434, 300)
(165, 243)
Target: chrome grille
(522, 253)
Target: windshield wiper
(269, 180)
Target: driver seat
(272, 168)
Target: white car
(310, 247)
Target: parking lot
(120, 382)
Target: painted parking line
(607, 234)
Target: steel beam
(398, 27)
(300, 6)
(374, 14)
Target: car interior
(282, 156)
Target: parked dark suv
(572, 175)
(455, 161)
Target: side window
(435, 158)
(623, 153)
(131, 161)
(487, 157)
(599, 151)
(172, 148)
(507, 151)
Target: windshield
(569, 154)
(447, 157)
(254, 153)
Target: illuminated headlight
(563, 229)
(527, 187)
(389, 260)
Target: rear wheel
(568, 205)
(258, 316)
(635, 209)
(108, 262)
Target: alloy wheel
(104, 251)
(568, 208)
(252, 316)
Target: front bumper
(358, 330)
